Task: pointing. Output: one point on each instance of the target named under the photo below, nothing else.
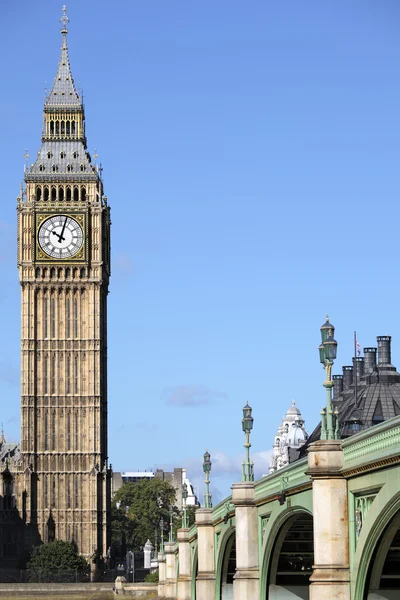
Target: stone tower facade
(62, 487)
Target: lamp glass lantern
(207, 462)
(247, 421)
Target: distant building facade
(289, 438)
(176, 478)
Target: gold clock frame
(80, 256)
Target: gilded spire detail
(64, 20)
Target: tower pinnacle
(64, 20)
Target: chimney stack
(358, 363)
(347, 377)
(384, 353)
(369, 360)
(337, 386)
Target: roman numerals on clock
(60, 237)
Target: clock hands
(60, 235)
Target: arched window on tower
(73, 127)
(61, 194)
(68, 128)
(45, 318)
(76, 504)
(68, 194)
(83, 194)
(45, 374)
(68, 377)
(53, 374)
(68, 318)
(46, 194)
(76, 374)
(62, 127)
(68, 499)
(52, 273)
(46, 492)
(69, 431)
(57, 128)
(46, 431)
(53, 430)
(53, 193)
(76, 317)
(51, 127)
(53, 317)
(38, 193)
(76, 194)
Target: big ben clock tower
(62, 488)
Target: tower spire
(63, 92)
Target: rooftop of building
(366, 393)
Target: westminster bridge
(325, 527)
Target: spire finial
(2, 439)
(64, 20)
(327, 318)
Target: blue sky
(250, 155)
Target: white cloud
(191, 395)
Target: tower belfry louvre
(62, 482)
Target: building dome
(293, 410)
(290, 436)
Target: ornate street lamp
(171, 524)
(327, 354)
(162, 535)
(155, 543)
(207, 471)
(247, 426)
(184, 507)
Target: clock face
(60, 237)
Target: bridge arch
(288, 555)
(376, 548)
(226, 565)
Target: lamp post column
(161, 562)
(331, 577)
(170, 566)
(327, 354)
(246, 578)
(184, 578)
(205, 580)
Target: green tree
(56, 561)
(137, 510)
